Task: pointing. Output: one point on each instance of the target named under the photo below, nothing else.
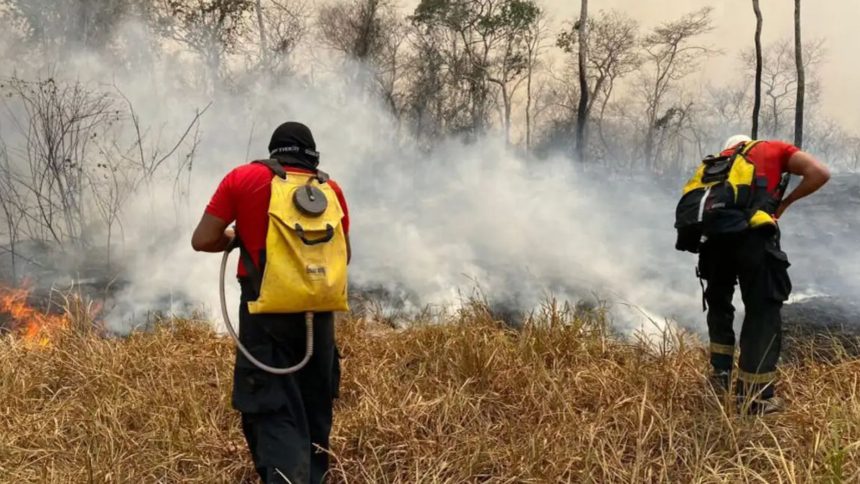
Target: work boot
(760, 406)
(720, 381)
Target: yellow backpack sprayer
(306, 257)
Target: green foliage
(567, 39)
(362, 29)
(515, 15)
(484, 16)
(204, 24)
(483, 46)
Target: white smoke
(435, 224)
(428, 224)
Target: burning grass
(470, 401)
(35, 326)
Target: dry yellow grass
(470, 401)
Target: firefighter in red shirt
(753, 259)
(286, 419)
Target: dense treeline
(464, 67)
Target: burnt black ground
(823, 328)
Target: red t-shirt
(771, 158)
(243, 197)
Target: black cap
(293, 142)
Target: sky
(835, 21)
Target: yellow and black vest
(305, 268)
(727, 194)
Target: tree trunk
(775, 124)
(533, 45)
(506, 100)
(801, 78)
(109, 233)
(651, 131)
(12, 243)
(264, 47)
(529, 108)
(600, 118)
(529, 114)
(582, 111)
(14, 265)
(213, 64)
(758, 66)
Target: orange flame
(35, 326)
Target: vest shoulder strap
(278, 169)
(746, 147)
(322, 176)
(275, 167)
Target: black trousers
(286, 419)
(754, 259)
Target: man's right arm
(212, 233)
(814, 175)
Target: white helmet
(734, 140)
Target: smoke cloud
(428, 226)
(432, 226)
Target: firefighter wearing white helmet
(728, 215)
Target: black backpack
(727, 194)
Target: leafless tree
(427, 98)
(356, 28)
(262, 31)
(535, 37)
(111, 186)
(285, 23)
(371, 33)
(801, 78)
(59, 124)
(582, 110)
(389, 70)
(677, 130)
(55, 26)
(148, 162)
(12, 209)
(721, 110)
(779, 82)
(613, 54)
(72, 169)
(830, 141)
(670, 55)
(211, 28)
(758, 61)
(560, 98)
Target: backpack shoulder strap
(251, 269)
(275, 167)
(746, 147)
(278, 169)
